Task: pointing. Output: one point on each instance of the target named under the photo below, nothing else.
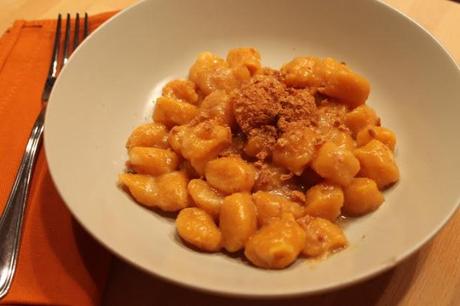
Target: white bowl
(108, 86)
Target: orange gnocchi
(378, 163)
(170, 111)
(230, 174)
(238, 221)
(271, 206)
(262, 162)
(152, 161)
(335, 163)
(324, 200)
(362, 196)
(197, 228)
(181, 89)
(329, 76)
(205, 197)
(276, 245)
(167, 192)
(149, 135)
(321, 236)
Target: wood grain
(429, 277)
(440, 17)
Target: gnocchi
(361, 117)
(152, 161)
(170, 111)
(294, 150)
(362, 196)
(272, 206)
(197, 228)
(276, 245)
(167, 192)
(384, 135)
(324, 200)
(378, 163)
(331, 77)
(321, 236)
(217, 105)
(335, 163)
(238, 221)
(230, 174)
(259, 161)
(200, 143)
(205, 197)
(183, 90)
(149, 135)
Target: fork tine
(66, 41)
(76, 32)
(55, 65)
(85, 26)
(53, 70)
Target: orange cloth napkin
(59, 263)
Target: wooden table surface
(430, 277)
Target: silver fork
(13, 215)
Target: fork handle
(13, 215)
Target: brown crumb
(265, 108)
(257, 103)
(260, 141)
(299, 106)
(269, 176)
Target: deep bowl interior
(108, 87)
